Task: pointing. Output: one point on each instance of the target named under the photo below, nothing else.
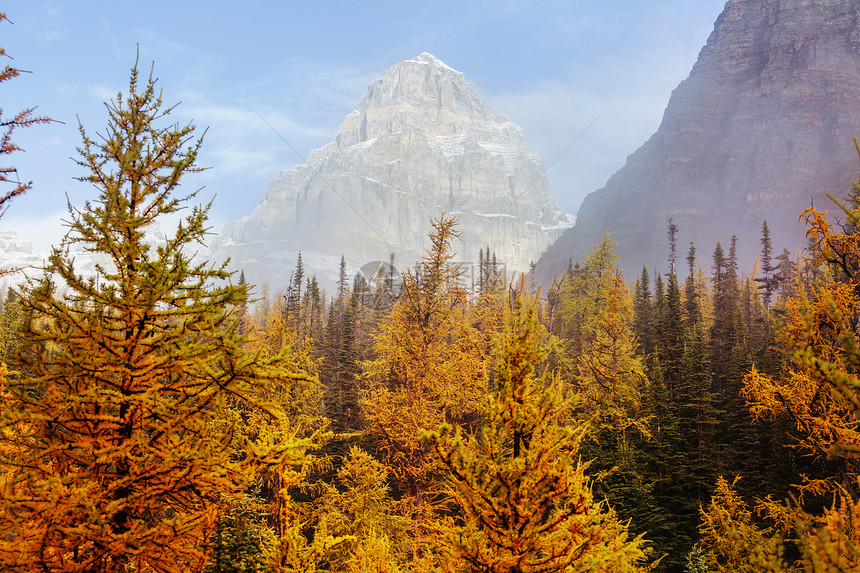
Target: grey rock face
(421, 141)
(760, 129)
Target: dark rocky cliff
(762, 127)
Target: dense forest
(167, 416)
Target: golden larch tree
(116, 439)
(819, 392)
(430, 368)
(523, 499)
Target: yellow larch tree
(522, 497)
(597, 350)
(732, 541)
(607, 374)
(818, 331)
(117, 442)
(429, 368)
(361, 507)
(819, 392)
(814, 324)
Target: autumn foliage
(524, 497)
(161, 417)
(430, 368)
(116, 437)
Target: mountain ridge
(761, 128)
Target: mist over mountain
(760, 129)
(420, 142)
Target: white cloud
(46, 27)
(51, 141)
(257, 129)
(241, 123)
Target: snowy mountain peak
(425, 82)
(421, 141)
(425, 95)
(428, 58)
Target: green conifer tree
(724, 330)
(671, 338)
(643, 314)
(768, 281)
(698, 421)
(659, 304)
(692, 302)
(665, 469)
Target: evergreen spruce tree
(672, 236)
(482, 285)
(671, 337)
(116, 437)
(643, 315)
(698, 422)
(347, 360)
(497, 280)
(666, 471)
(245, 319)
(768, 281)
(692, 303)
(293, 296)
(659, 304)
(312, 305)
(723, 332)
(786, 277)
(334, 373)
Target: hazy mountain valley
(409, 357)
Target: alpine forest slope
(760, 129)
(420, 142)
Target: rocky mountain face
(760, 129)
(420, 142)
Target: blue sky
(550, 66)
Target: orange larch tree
(430, 368)
(524, 502)
(119, 435)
